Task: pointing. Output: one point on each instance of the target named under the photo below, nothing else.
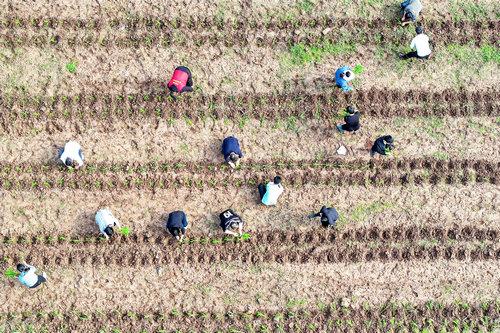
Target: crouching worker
(329, 216)
(106, 221)
(411, 9)
(270, 193)
(383, 146)
(28, 277)
(72, 155)
(351, 121)
(420, 43)
(177, 224)
(181, 81)
(232, 151)
(231, 223)
(343, 76)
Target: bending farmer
(231, 151)
(181, 81)
(351, 121)
(231, 223)
(343, 76)
(383, 146)
(420, 43)
(329, 216)
(270, 193)
(28, 277)
(72, 155)
(411, 9)
(106, 221)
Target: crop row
(148, 254)
(240, 23)
(277, 237)
(373, 102)
(269, 35)
(293, 179)
(388, 317)
(407, 164)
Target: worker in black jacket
(351, 121)
(329, 216)
(383, 146)
(230, 221)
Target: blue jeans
(405, 3)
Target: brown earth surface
(247, 287)
(73, 211)
(228, 9)
(276, 33)
(135, 140)
(250, 69)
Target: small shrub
(71, 67)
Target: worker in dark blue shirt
(177, 224)
(231, 151)
(351, 121)
(329, 216)
(383, 146)
(231, 223)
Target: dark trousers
(413, 54)
(41, 280)
(349, 128)
(262, 190)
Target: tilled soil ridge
(151, 32)
(217, 69)
(248, 287)
(134, 140)
(71, 212)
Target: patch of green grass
(468, 10)
(441, 155)
(306, 6)
(301, 54)
(11, 273)
(490, 53)
(71, 67)
(363, 211)
(469, 55)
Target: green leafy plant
(11, 273)
(124, 231)
(245, 237)
(358, 69)
(71, 67)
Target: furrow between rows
(215, 287)
(441, 206)
(43, 32)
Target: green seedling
(358, 69)
(11, 273)
(245, 237)
(71, 67)
(124, 231)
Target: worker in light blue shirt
(343, 76)
(28, 277)
(270, 193)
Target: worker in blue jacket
(343, 76)
(231, 151)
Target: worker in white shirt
(106, 221)
(28, 277)
(420, 44)
(270, 193)
(72, 155)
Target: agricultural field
(417, 245)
